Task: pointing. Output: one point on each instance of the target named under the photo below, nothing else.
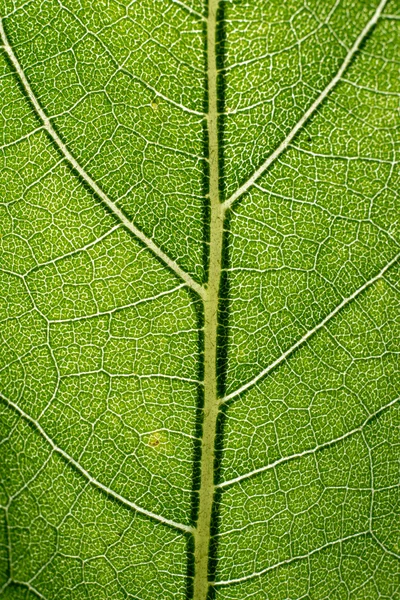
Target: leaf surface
(199, 249)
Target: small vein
(383, 547)
(184, 108)
(74, 252)
(120, 68)
(190, 282)
(26, 136)
(314, 450)
(311, 332)
(189, 9)
(30, 587)
(148, 376)
(108, 491)
(288, 561)
(310, 111)
(5, 586)
(117, 309)
(343, 158)
(370, 89)
(262, 57)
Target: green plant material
(199, 227)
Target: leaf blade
(107, 355)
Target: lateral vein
(189, 10)
(314, 450)
(108, 491)
(190, 282)
(311, 110)
(288, 561)
(312, 331)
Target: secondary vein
(190, 282)
(311, 332)
(108, 491)
(288, 561)
(310, 451)
(311, 110)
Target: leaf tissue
(199, 306)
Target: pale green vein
(314, 450)
(118, 309)
(7, 544)
(311, 110)
(288, 561)
(97, 484)
(121, 69)
(74, 252)
(202, 534)
(357, 86)
(384, 548)
(86, 177)
(28, 586)
(22, 138)
(311, 332)
(344, 158)
(188, 9)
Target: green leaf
(199, 249)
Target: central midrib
(211, 299)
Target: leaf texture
(199, 224)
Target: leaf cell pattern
(199, 242)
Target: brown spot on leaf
(157, 439)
